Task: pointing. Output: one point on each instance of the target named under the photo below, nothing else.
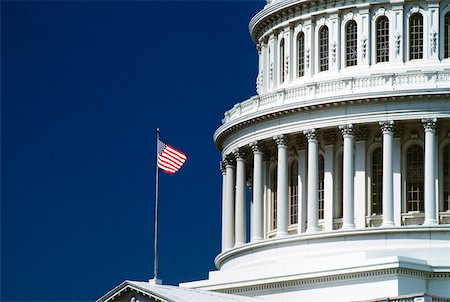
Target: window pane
(447, 35)
(323, 48)
(446, 172)
(414, 182)
(282, 67)
(377, 181)
(293, 193)
(301, 54)
(382, 39)
(274, 198)
(416, 36)
(351, 43)
(321, 186)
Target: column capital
(222, 167)
(311, 134)
(281, 140)
(239, 154)
(346, 130)
(229, 161)
(387, 126)
(257, 146)
(429, 124)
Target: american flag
(170, 159)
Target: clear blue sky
(84, 85)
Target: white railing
(353, 87)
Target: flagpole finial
(158, 130)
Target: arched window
(414, 178)
(351, 43)
(301, 54)
(446, 178)
(377, 181)
(323, 48)
(416, 36)
(282, 63)
(321, 186)
(382, 34)
(274, 197)
(293, 193)
(447, 35)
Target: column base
(430, 222)
(257, 239)
(348, 226)
(281, 234)
(237, 244)
(387, 224)
(311, 230)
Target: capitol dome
(336, 174)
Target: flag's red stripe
(167, 169)
(171, 159)
(176, 152)
(168, 161)
(165, 163)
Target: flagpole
(155, 266)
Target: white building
(344, 154)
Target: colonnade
(234, 184)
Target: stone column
(229, 204)
(329, 137)
(348, 177)
(258, 192)
(387, 129)
(240, 229)
(360, 180)
(313, 180)
(302, 183)
(430, 188)
(224, 200)
(282, 186)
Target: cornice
(335, 278)
(228, 129)
(287, 12)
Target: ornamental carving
(222, 167)
(259, 82)
(229, 161)
(239, 154)
(346, 129)
(321, 22)
(433, 41)
(364, 46)
(308, 56)
(381, 11)
(311, 134)
(271, 71)
(281, 140)
(333, 51)
(397, 43)
(387, 126)
(349, 16)
(256, 146)
(429, 124)
(286, 65)
(414, 9)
